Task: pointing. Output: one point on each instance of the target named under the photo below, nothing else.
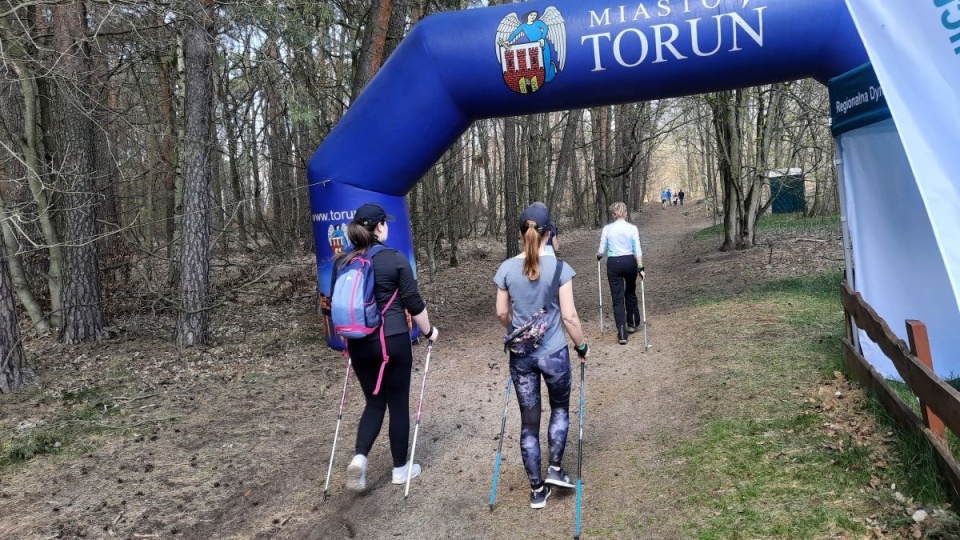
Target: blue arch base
(333, 206)
(457, 67)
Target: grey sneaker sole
(559, 482)
(355, 478)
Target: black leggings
(622, 275)
(394, 392)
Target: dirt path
(635, 402)
(234, 441)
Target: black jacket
(392, 271)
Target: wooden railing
(939, 402)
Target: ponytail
(531, 251)
(361, 237)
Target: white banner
(898, 268)
(915, 51)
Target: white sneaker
(357, 473)
(400, 473)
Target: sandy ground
(233, 441)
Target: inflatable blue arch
(457, 67)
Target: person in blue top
(522, 282)
(620, 242)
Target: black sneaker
(558, 477)
(622, 334)
(538, 497)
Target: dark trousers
(366, 357)
(622, 276)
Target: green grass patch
(766, 464)
(80, 416)
(797, 222)
(770, 223)
(913, 448)
(913, 451)
(822, 286)
(710, 232)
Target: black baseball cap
(538, 213)
(371, 214)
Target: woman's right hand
(433, 334)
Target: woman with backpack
(385, 384)
(620, 242)
(533, 280)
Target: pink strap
(383, 343)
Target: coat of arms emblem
(533, 52)
(337, 237)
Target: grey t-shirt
(526, 297)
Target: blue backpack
(353, 306)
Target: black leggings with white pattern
(526, 372)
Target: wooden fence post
(920, 347)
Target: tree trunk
(84, 319)
(238, 210)
(511, 178)
(111, 245)
(278, 146)
(18, 276)
(254, 153)
(167, 167)
(566, 159)
(624, 152)
(193, 319)
(491, 226)
(536, 130)
(31, 151)
(600, 120)
(453, 187)
(372, 50)
(581, 203)
(14, 370)
(767, 137)
(14, 168)
(397, 27)
(725, 106)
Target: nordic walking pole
(643, 301)
(416, 428)
(576, 533)
(496, 462)
(600, 294)
(336, 432)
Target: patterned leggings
(526, 372)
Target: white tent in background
(897, 152)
